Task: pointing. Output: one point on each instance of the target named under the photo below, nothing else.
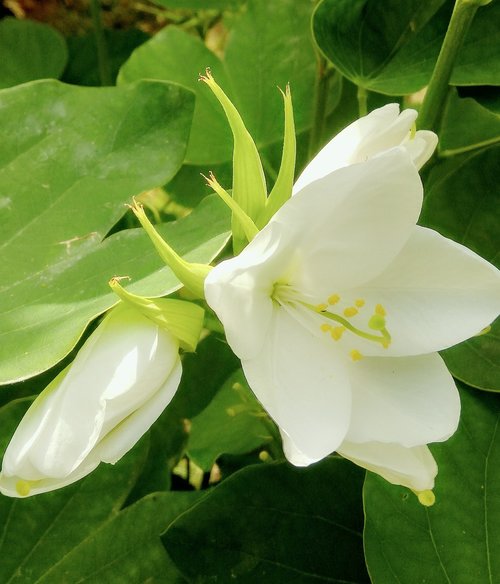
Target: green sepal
(190, 274)
(249, 183)
(283, 186)
(184, 320)
(249, 227)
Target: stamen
(484, 331)
(426, 498)
(350, 311)
(376, 322)
(356, 355)
(333, 299)
(23, 488)
(337, 332)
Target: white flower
(96, 409)
(338, 306)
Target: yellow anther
(356, 355)
(380, 310)
(264, 456)
(337, 332)
(321, 307)
(333, 299)
(376, 322)
(23, 488)
(485, 331)
(325, 327)
(426, 498)
(350, 311)
(359, 302)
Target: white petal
(409, 401)
(293, 454)
(46, 484)
(122, 438)
(372, 135)
(436, 293)
(16, 460)
(163, 358)
(239, 290)
(414, 468)
(303, 385)
(353, 222)
(421, 147)
(118, 359)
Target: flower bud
(97, 408)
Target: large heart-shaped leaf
(392, 46)
(30, 50)
(248, 74)
(456, 540)
(128, 547)
(275, 523)
(463, 203)
(83, 64)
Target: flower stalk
(437, 91)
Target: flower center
(336, 323)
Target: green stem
(362, 96)
(320, 99)
(101, 45)
(384, 339)
(437, 91)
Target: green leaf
(30, 50)
(174, 55)
(203, 375)
(467, 125)
(392, 46)
(188, 186)
(275, 523)
(233, 423)
(479, 59)
(167, 439)
(462, 203)
(477, 361)
(83, 66)
(285, 54)
(487, 96)
(128, 547)
(389, 47)
(455, 541)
